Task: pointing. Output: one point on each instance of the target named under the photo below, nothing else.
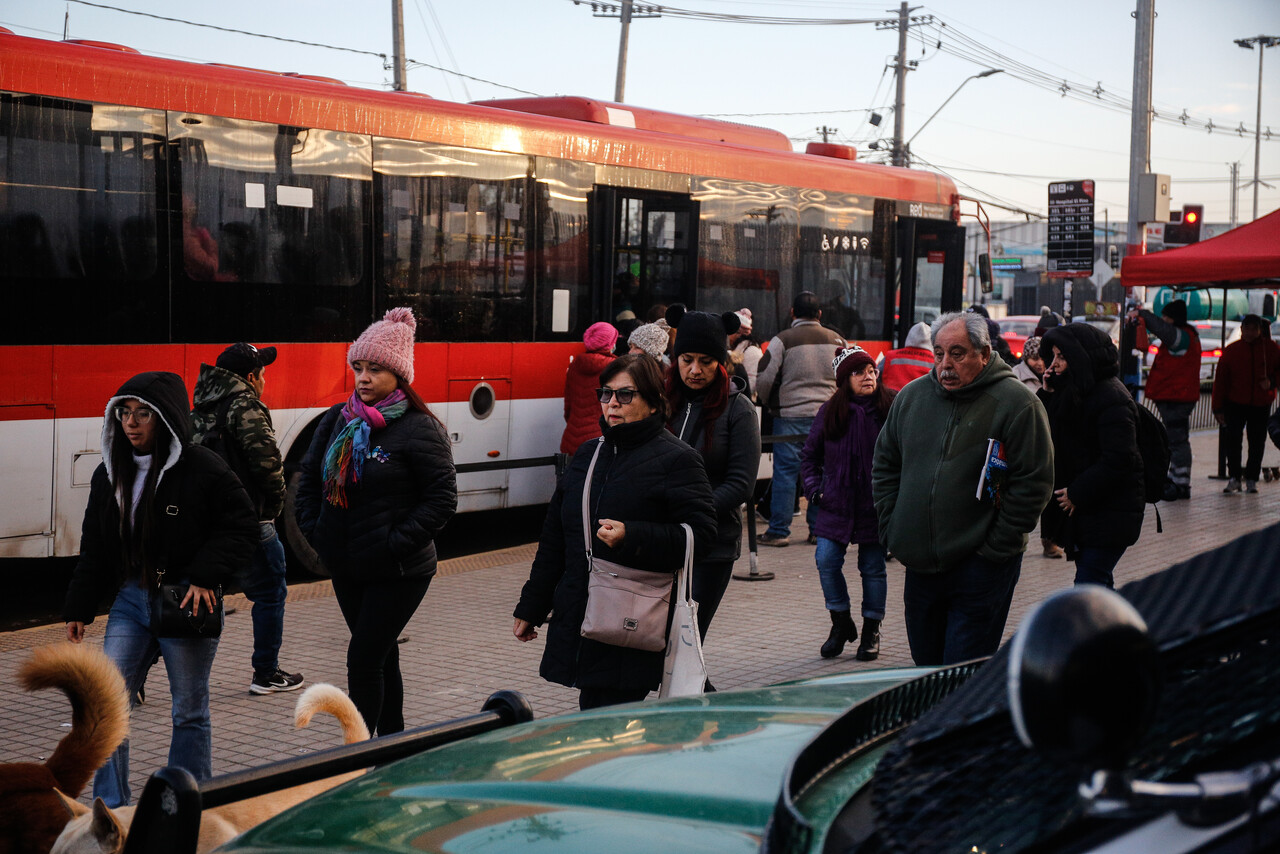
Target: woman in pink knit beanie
(581, 408)
(376, 485)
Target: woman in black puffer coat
(645, 483)
(376, 486)
(1098, 494)
(711, 412)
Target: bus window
(563, 259)
(453, 239)
(843, 263)
(78, 222)
(271, 230)
(747, 250)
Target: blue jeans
(129, 643)
(959, 614)
(786, 469)
(263, 582)
(1095, 565)
(875, 583)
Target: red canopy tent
(1248, 256)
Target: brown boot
(1051, 549)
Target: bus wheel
(301, 555)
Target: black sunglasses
(624, 395)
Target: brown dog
(103, 831)
(31, 812)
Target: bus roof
(660, 141)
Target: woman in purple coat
(836, 467)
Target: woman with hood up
(1097, 504)
(159, 508)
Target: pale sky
(1003, 138)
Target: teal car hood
(691, 774)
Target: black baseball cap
(245, 359)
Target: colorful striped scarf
(344, 461)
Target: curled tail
(99, 708)
(323, 697)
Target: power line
(382, 56)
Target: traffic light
(1188, 230)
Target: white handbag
(684, 671)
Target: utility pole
(397, 43)
(1235, 191)
(629, 11)
(826, 131)
(1263, 42)
(900, 157)
(1140, 120)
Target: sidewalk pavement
(459, 648)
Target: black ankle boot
(843, 631)
(869, 649)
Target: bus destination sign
(1070, 249)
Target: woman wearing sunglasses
(644, 484)
(158, 507)
(711, 412)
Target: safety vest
(903, 366)
(1173, 378)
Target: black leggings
(376, 613)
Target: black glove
(816, 499)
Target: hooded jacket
(204, 526)
(650, 481)
(930, 455)
(248, 425)
(581, 406)
(732, 461)
(1094, 423)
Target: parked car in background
(981, 756)
(1016, 329)
(1211, 346)
(1110, 324)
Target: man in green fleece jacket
(963, 554)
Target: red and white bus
(153, 211)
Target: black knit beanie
(1176, 311)
(702, 332)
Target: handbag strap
(586, 500)
(685, 591)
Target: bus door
(930, 260)
(644, 250)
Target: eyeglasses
(142, 415)
(624, 395)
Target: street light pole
(907, 146)
(1263, 42)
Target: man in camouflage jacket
(230, 417)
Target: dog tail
(99, 708)
(323, 697)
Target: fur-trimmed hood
(166, 394)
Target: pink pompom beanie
(600, 336)
(389, 342)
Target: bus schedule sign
(1070, 249)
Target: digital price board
(1070, 248)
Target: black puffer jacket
(407, 493)
(732, 461)
(650, 481)
(1094, 422)
(204, 523)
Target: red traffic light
(1190, 216)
